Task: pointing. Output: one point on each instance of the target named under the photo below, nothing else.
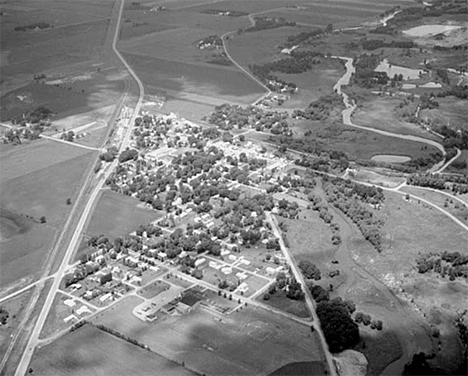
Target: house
(70, 318)
(82, 310)
(162, 256)
(200, 261)
(70, 303)
(226, 270)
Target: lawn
(118, 215)
(154, 289)
(91, 351)
(249, 341)
(281, 301)
(58, 312)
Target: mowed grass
(208, 345)
(118, 215)
(154, 289)
(379, 113)
(90, 351)
(281, 301)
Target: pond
(428, 30)
(387, 158)
(392, 70)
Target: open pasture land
(374, 177)
(118, 215)
(251, 7)
(451, 111)
(249, 341)
(379, 113)
(91, 351)
(407, 232)
(59, 311)
(356, 143)
(178, 79)
(312, 84)
(453, 206)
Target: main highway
(34, 337)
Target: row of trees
(439, 181)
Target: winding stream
(350, 107)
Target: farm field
(177, 79)
(380, 114)
(118, 215)
(90, 350)
(249, 341)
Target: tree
(43, 219)
(68, 201)
(339, 329)
(309, 270)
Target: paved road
(309, 302)
(34, 338)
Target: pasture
(379, 113)
(90, 350)
(453, 206)
(220, 345)
(118, 215)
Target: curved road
(34, 338)
(350, 107)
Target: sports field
(90, 351)
(249, 341)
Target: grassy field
(301, 369)
(15, 308)
(454, 207)
(89, 350)
(36, 181)
(118, 215)
(281, 301)
(58, 312)
(250, 341)
(379, 113)
(462, 158)
(157, 287)
(451, 111)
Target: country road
(34, 337)
(308, 298)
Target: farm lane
(448, 163)
(33, 339)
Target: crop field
(224, 345)
(91, 351)
(380, 114)
(118, 215)
(178, 79)
(262, 46)
(66, 95)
